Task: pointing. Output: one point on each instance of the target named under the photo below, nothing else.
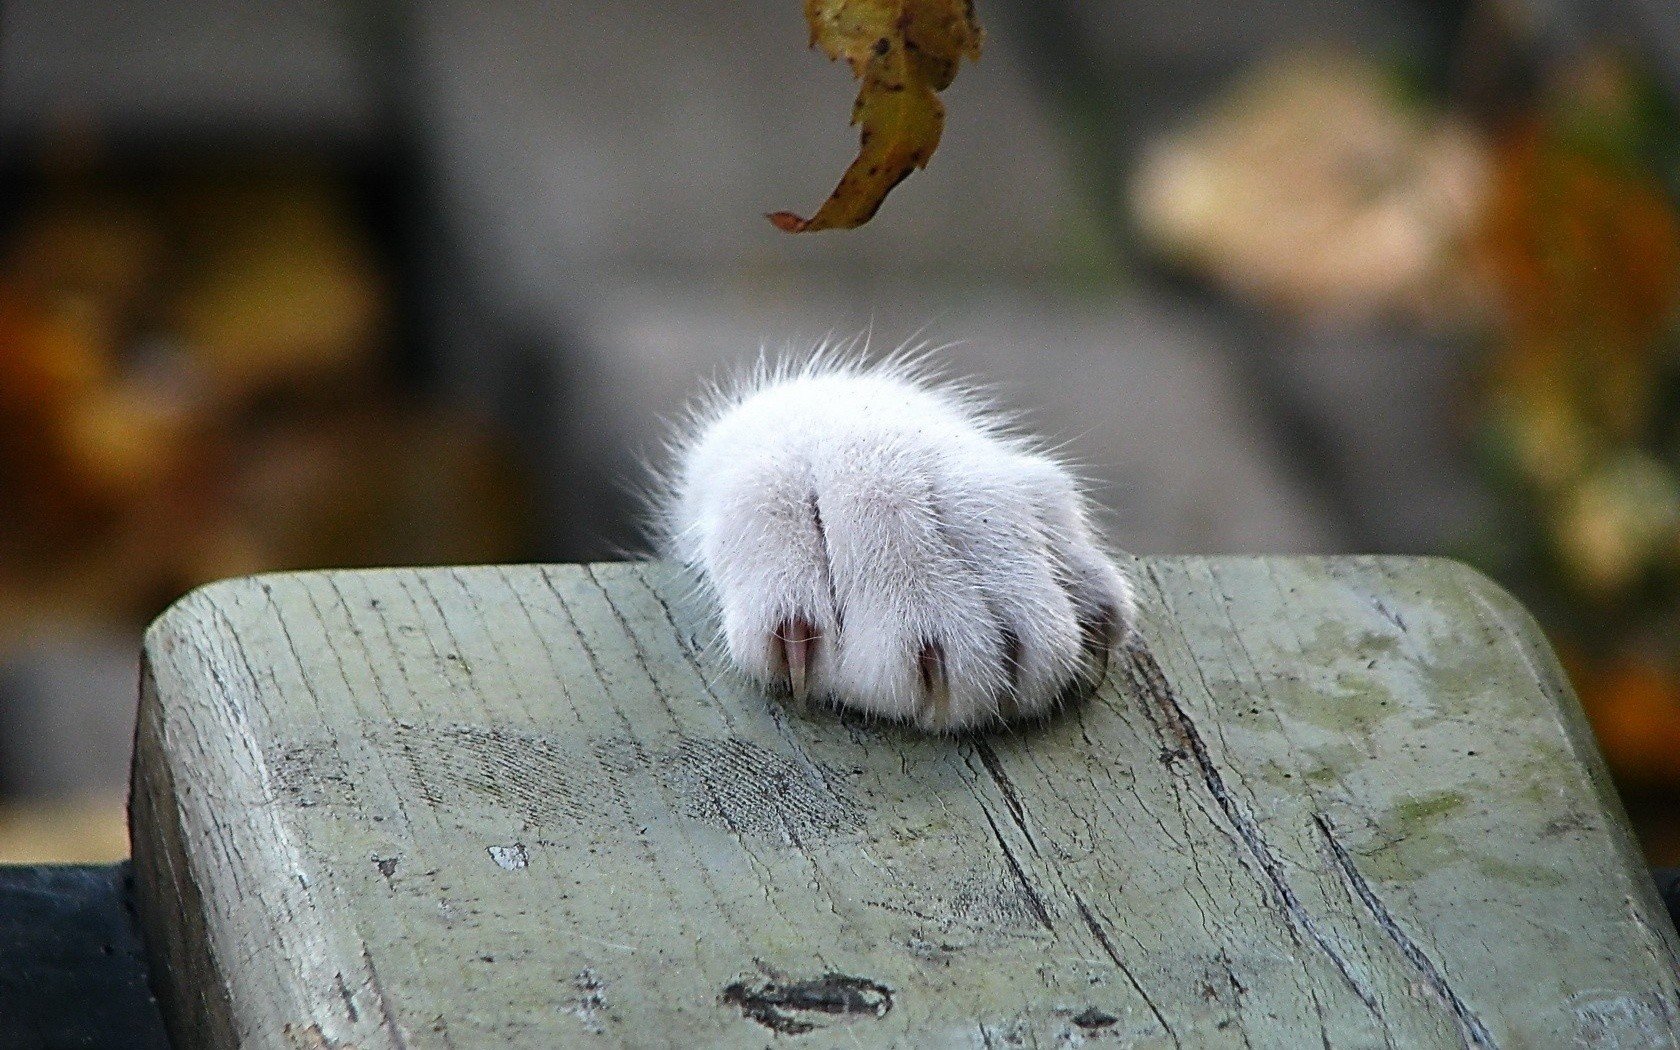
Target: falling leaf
(903, 52)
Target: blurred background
(309, 283)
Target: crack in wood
(635, 647)
(1151, 682)
(1036, 903)
(1097, 931)
(382, 999)
(1474, 1031)
(1011, 798)
(349, 1000)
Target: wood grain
(1343, 802)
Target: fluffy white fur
(880, 540)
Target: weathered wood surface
(1342, 802)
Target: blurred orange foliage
(1583, 251)
(193, 385)
(1633, 702)
(1580, 246)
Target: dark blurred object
(72, 969)
(1668, 885)
(195, 384)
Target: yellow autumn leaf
(903, 52)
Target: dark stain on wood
(1093, 1020)
(782, 1005)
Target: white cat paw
(879, 542)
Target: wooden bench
(1340, 802)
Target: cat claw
(936, 684)
(1099, 641)
(798, 645)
